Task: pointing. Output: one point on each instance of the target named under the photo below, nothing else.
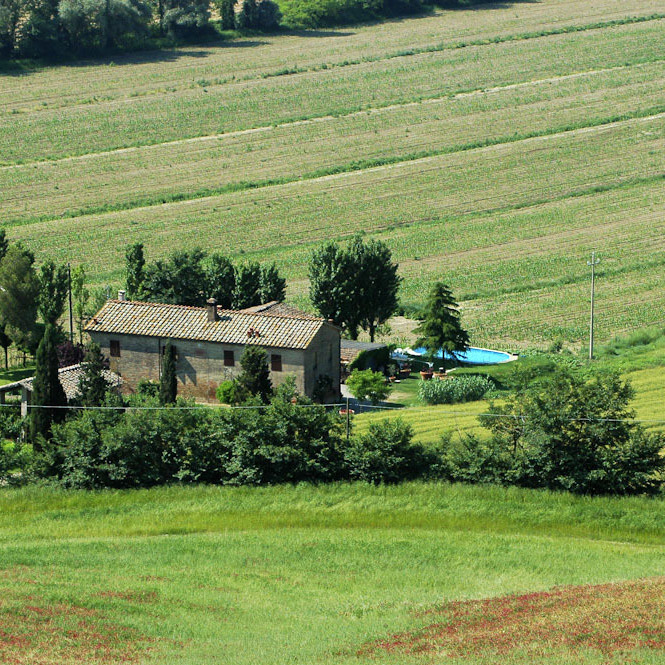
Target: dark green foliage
(147, 388)
(255, 375)
(5, 342)
(168, 381)
(273, 287)
(232, 392)
(18, 296)
(441, 328)
(227, 13)
(47, 389)
(11, 423)
(322, 13)
(191, 277)
(454, 390)
(4, 244)
(186, 18)
(368, 385)
(53, 290)
(269, 15)
(180, 279)
(248, 15)
(92, 384)
(247, 291)
(15, 463)
(386, 454)
(134, 271)
(221, 279)
(356, 287)
(567, 432)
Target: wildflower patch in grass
(35, 631)
(606, 619)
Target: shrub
(386, 454)
(15, 462)
(368, 385)
(455, 390)
(231, 392)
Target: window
(229, 359)
(276, 362)
(115, 348)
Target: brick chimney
(122, 294)
(211, 310)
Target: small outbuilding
(69, 378)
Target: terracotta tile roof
(350, 349)
(280, 328)
(69, 379)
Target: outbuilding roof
(69, 378)
(276, 325)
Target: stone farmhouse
(209, 342)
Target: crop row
(192, 113)
(139, 74)
(160, 173)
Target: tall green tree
(4, 244)
(168, 381)
(355, 286)
(377, 283)
(5, 342)
(247, 291)
(441, 327)
(12, 15)
(227, 13)
(134, 271)
(81, 298)
(47, 391)
(221, 279)
(186, 18)
(53, 290)
(179, 279)
(93, 386)
(19, 292)
(255, 375)
(248, 17)
(273, 286)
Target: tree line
(51, 28)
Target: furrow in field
(442, 188)
(57, 134)
(296, 152)
(141, 74)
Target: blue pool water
(474, 356)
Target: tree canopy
(441, 327)
(355, 286)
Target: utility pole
(71, 313)
(593, 263)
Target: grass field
(492, 148)
(326, 575)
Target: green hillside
(493, 148)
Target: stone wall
(200, 365)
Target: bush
(567, 432)
(321, 13)
(231, 392)
(386, 454)
(15, 463)
(368, 385)
(455, 390)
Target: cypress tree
(168, 382)
(255, 375)
(46, 388)
(92, 384)
(441, 327)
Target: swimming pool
(474, 356)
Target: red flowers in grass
(606, 618)
(34, 632)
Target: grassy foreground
(307, 575)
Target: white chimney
(122, 294)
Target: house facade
(209, 342)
